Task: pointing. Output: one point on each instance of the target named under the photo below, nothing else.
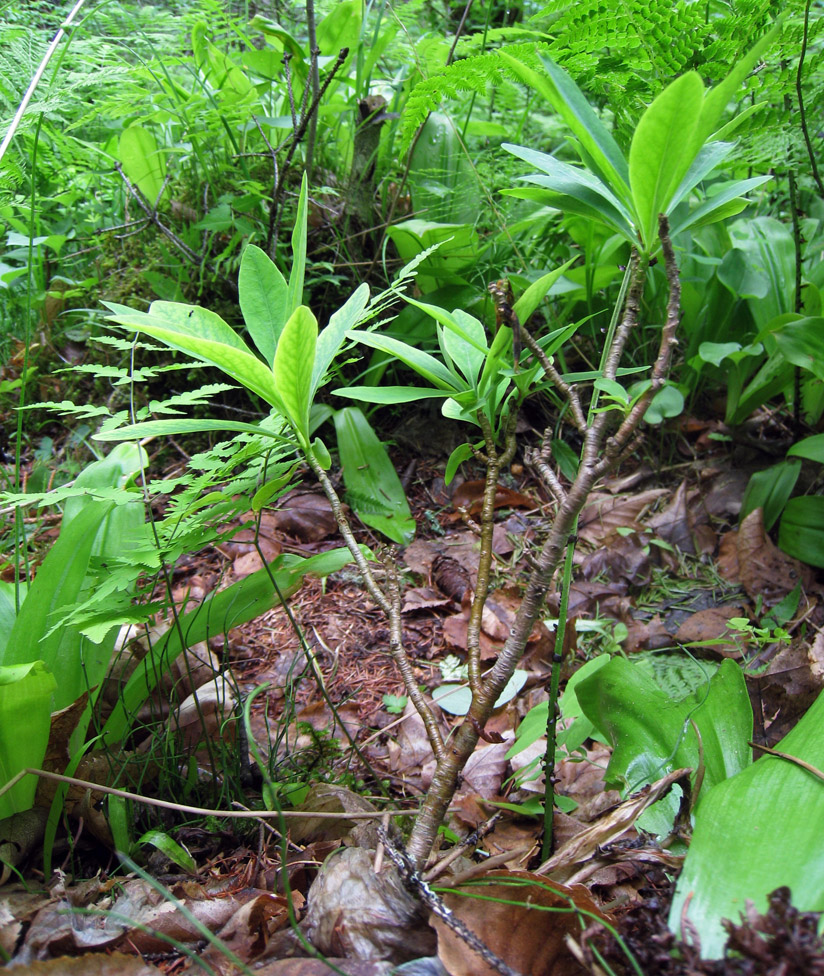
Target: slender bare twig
(569, 393)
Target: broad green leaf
(453, 250)
(263, 294)
(218, 614)
(754, 833)
(801, 342)
(294, 363)
(651, 733)
(205, 336)
(716, 352)
(425, 365)
(774, 375)
(332, 337)
(8, 610)
(566, 98)
(668, 402)
(663, 148)
(770, 490)
(142, 162)
(811, 448)
(389, 394)
(26, 692)
(769, 251)
(373, 487)
(295, 288)
(801, 532)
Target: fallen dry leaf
(603, 514)
(761, 567)
(606, 830)
(470, 496)
(522, 918)
(710, 625)
(90, 964)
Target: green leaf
(725, 203)
(332, 337)
(373, 488)
(537, 291)
(25, 720)
(566, 98)
(461, 453)
(663, 148)
(801, 532)
(294, 363)
(295, 289)
(204, 335)
(389, 394)
(668, 402)
(573, 180)
(718, 98)
(801, 343)
(770, 490)
(811, 448)
(753, 834)
(263, 300)
(425, 365)
(142, 162)
(59, 583)
(456, 699)
(162, 428)
(651, 733)
(170, 847)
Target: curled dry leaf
(523, 918)
(606, 830)
(470, 496)
(356, 913)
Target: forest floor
(661, 564)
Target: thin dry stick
(151, 801)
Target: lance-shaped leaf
(373, 488)
(294, 363)
(664, 146)
(263, 295)
(425, 365)
(332, 337)
(218, 614)
(296, 276)
(725, 202)
(204, 335)
(566, 98)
